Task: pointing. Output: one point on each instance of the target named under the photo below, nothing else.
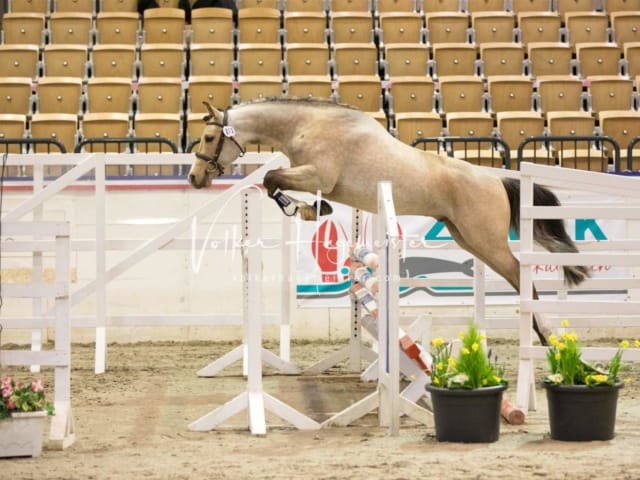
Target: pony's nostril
(192, 179)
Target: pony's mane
(307, 101)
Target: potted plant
(23, 409)
(466, 392)
(582, 398)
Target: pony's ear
(211, 115)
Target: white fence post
(62, 432)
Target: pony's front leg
(302, 178)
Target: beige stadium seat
(361, 91)
(216, 90)
(84, 6)
(114, 60)
(12, 126)
(65, 60)
(117, 27)
(575, 154)
(351, 27)
(71, 28)
(464, 93)
(355, 59)
(351, 6)
(260, 59)
(23, 28)
(162, 60)
(534, 27)
(549, 58)
(438, 5)
(159, 95)
(211, 59)
(402, 59)
(412, 125)
(392, 6)
(622, 5)
(212, 25)
(105, 126)
(166, 126)
(401, 27)
(469, 125)
(559, 93)
(164, 25)
(585, 27)
(109, 95)
(61, 127)
(493, 27)
(509, 93)
(454, 59)
(258, 25)
(305, 27)
(598, 58)
(515, 127)
(31, 6)
(564, 7)
(260, 4)
(119, 6)
(195, 127)
(305, 6)
(411, 94)
(632, 59)
(610, 92)
(623, 126)
(518, 6)
(502, 58)
(16, 96)
(318, 86)
(485, 5)
(447, 27)
(252, 87)
(20, 60)
(625, 25)
(307, 59)
(59, 95)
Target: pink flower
(7, 391)
(11, 405)
(36, 386)
(6, 382)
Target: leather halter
(226, 131)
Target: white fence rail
(624, 203)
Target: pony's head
(217, 149)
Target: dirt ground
(131, 423)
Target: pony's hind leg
(496, 254)
(303, 178)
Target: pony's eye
(208, 138)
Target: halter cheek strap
(227, 131)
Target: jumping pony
(343, 153)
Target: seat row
(367, 92)
(263, 25)
(91, 6)
(171, 61)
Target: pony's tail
(550, 233)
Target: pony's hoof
(307, 213)
(325, 208)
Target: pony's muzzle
(193, 182)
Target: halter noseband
(227, 131)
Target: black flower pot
(469, 416)
(580, 413)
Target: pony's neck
(264, 123)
